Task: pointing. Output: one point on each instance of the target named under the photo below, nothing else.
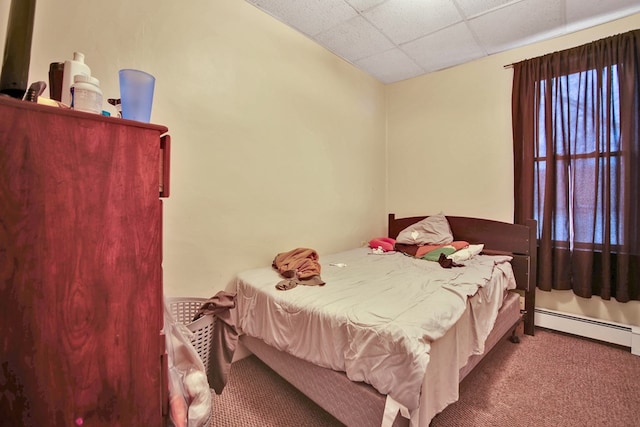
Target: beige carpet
(257, 396)
(551, 379)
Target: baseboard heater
(612, 332)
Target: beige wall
(449, 148)
(277, 143)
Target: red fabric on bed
(386, 243)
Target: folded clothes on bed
(435, 254)
(419, 251)
(299, 266)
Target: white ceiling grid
(394, 40)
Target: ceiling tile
(518, 24)
(406, 20)
(390, 66)
(476, 7)
(398, 39)
(309, 16)
(445, 48)
(362, 5)
(354, 39)
(579, 10)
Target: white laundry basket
(183, 310)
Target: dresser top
(46, 109)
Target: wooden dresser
(81, 299)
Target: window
(585, 150)
(576, 145)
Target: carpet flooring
(550, 379)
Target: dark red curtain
(576, 144)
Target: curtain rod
(508, 66)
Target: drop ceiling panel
(354, 39)
(390, 66)
(394, 40)
(518, 24)
(310, 17)
(471, 8)
(580, 10)
(444, 48)
(362, 5)
(406, 20)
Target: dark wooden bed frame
(516, 240)
(334, 392)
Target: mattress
(357, 404)
(377, 316)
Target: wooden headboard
(516, 240)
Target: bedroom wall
(276, 143)
(449, 148)
(276, 140)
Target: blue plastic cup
(136, 94)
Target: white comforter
(374, 319)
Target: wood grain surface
(80, 270)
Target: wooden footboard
(516, 240)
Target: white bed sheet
(375, 318)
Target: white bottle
(71, 68)
(86, 94)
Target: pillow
(466, 253)
(433, 230)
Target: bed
(381, 366)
